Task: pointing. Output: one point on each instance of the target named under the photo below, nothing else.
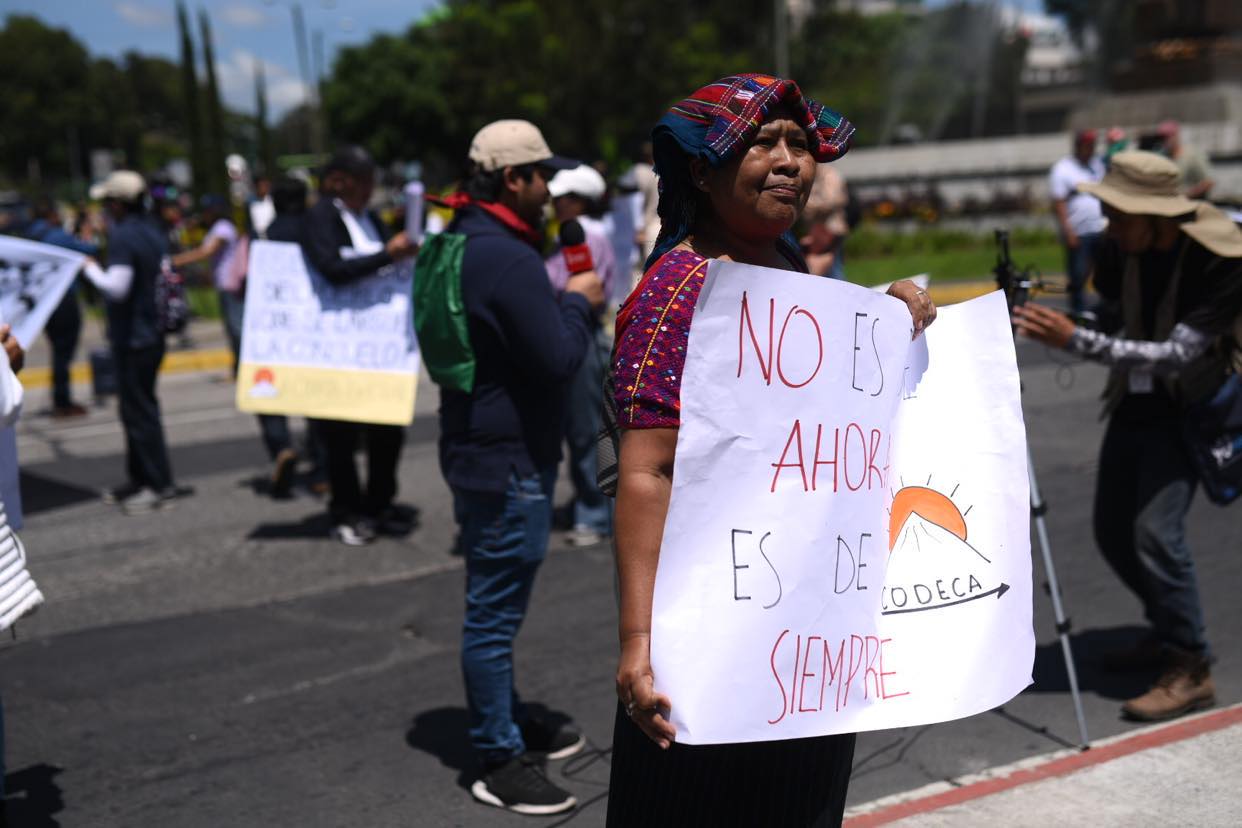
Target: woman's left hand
(922, 308)
(1044, 324)
(13, 351)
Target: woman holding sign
(736, 162)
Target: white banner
(847, 546)
(338, 352)
(33, 278)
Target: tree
(190, 95)
(593, 74)
(1103, 28)
(215, 181)
(43, 83)
(266, 156)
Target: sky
(244, 31)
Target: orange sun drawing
(928, 504)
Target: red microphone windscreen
(574, 248)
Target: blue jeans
(1078, 263)
(585, 414)
(504, 538)
(232, 312)
(1144, 490)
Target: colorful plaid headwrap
(719, 121)
(723, 117)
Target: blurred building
(1178, 60)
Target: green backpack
(439, 314)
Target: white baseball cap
(583, 180)
(124, 185)
(511, 143)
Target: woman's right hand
(636, 690)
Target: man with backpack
(504, 350)
(1171, 269)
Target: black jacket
(323, 236)
(528, 344)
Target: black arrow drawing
(998, 592)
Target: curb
(1036, 769)
(950, 293)
(175, 362)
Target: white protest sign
(847, 541)
(33, 279)
(338, 352)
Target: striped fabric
(732, 109)
(18, 593)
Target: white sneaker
(145, 500)
(356, 533)
(583, 535)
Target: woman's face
(759, 193)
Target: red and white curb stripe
(1061, 763)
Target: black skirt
(790, 783)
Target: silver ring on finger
(629, 709)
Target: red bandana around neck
(510, 219)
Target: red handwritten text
(850, 453)
(818, 665)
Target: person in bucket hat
(1170, 273)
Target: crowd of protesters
(528, 375)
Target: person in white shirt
(261, 208)
(19, 595)
(576, 195)
(222, 245)
(10, 408)
(1080, 221)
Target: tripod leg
(1038, 508)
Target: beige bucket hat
(1213, 229)
(1142, 183)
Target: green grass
(204, 303)
(1047, 257)
(874, 256)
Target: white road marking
(32, 437)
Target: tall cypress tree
(215, 114)
(189, 92)
(267, 158)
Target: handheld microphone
(414, 211)
(574, 248)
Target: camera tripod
(1017, 285)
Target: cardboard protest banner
(337, 352)
(847, 545)
(33, 279)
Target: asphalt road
(226, 663)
